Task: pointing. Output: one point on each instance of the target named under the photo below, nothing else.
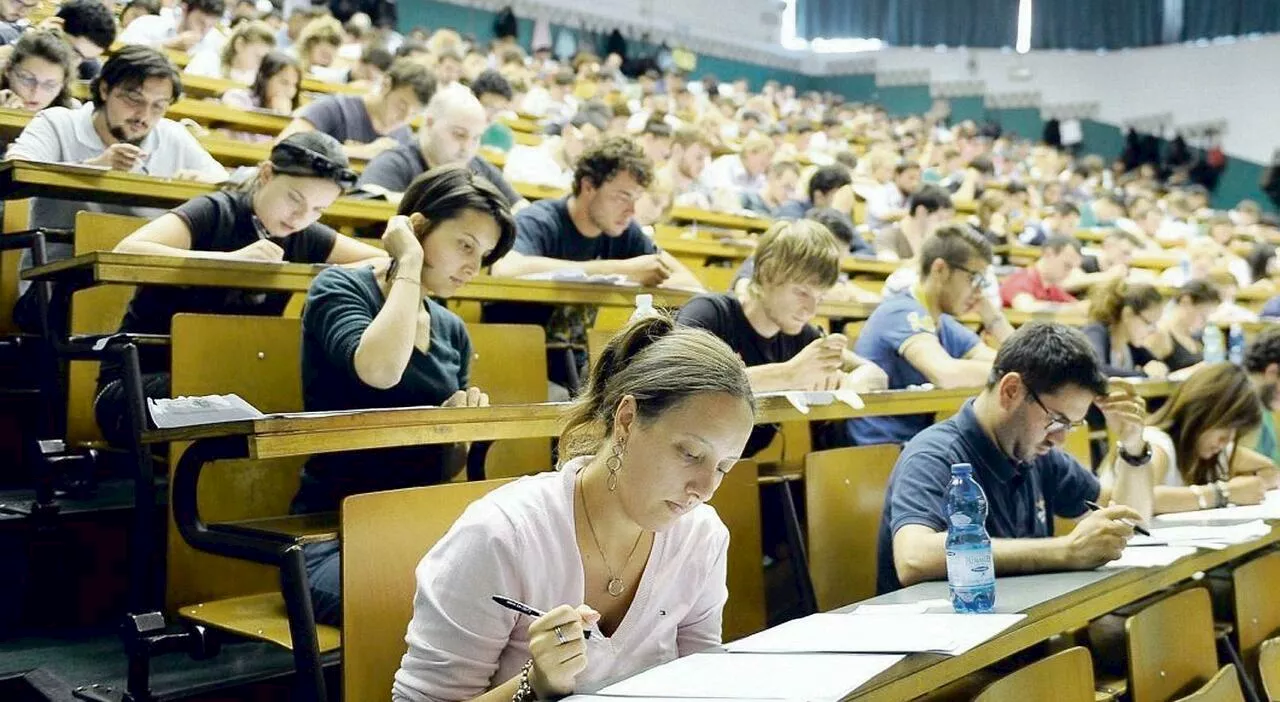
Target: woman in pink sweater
(617, 542)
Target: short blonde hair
(324, 29)
(756, 142)
(250, 32)
(799, 251)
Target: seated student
(373, 336)
(494, 93)
(1200, 258)
(829, 186)
(450, 134)
(1122, 319)
(374, 122)
(888, 203)
(928, 208)
(192, 29)
(1228, 311)
(1043, 382)
(592, 229)
(1037, 287)
(123, 128)
(551, 162)
(655, 140)
(841, 227)
(276, 88)
(273, 218)
(665, 416)
(90, 29)
(1262, 361)
(239, 58)
(768, 324)
(370, 66)
(1176, 340)
(1063, 219)
(13, 19)
(690, 151)
(1196, 462)
(1111, 263)
(743, 172)
(38, 73)
(300, 15)
(138, 8)
(317, 48)
(915, 337)
(991, 218)
(779, 187)
(1263, 267)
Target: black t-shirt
(722, 315)
(394, 169)
(220, 221)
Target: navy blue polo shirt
(1020, 496)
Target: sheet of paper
(1150, 556)
(1206, 536)
(1268, 509)
(577, 275)
(802, 400)
(168, 413)
(903, 607)
(947, 633)
(759, 676)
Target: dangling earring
(614, 464)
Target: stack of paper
(1268, 509)
(950, 633)
(803, 400)
(1205, 536)
(191, 411)
(578, 275)
(749, 676)
(1150, 556)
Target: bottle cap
(644, 301)
(961, 468)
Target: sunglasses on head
(319, 165)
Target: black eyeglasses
(1057, 422)
(977, 279)
(321, 166)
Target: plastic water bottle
(971, 572)
(644, 307)
(1235, 344)
(1214, 352)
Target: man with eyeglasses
(13, 18)
(121, 128)
(1043, 382)
(915, 337)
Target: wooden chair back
(98, 310)
(1269, 668)
(1171, 647)
(384, 536)
(17, 218)
(844, 498)
(737, 501)
(508, 362)
(259, 359)
(1256, 606)
(1066, 676)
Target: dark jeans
(324, 574)
(111, 408)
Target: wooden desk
(707, 249)
(1150, 261)
(213, 115)
(19, 179)
(107, 268)
(720, 219)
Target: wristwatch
(1141, 459)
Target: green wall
(854, 87)
(1022, 121)
(902, 100)
(967, 107)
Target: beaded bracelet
(525, 693)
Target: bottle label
(970, 567)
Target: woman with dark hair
(1195, 461)
(272, 218)
(1122, 317)
(277, 88)
(38, 73)
(374, 336)
(1176, 339)
(617, 546)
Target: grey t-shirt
(345, 118)
(394, 169)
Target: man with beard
(1262, 361)
(914, 334)
(591, 230)
(1043, 382)
(450, 134)
(121, 128)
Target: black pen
(518, 606)
(1136, 527)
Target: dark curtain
(1096, 24)
(1206, 19)
(986, 23)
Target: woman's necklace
(615, 587)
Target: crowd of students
(632, 552)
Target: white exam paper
(947, 633)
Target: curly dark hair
(610, 157)
(1263, 351)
